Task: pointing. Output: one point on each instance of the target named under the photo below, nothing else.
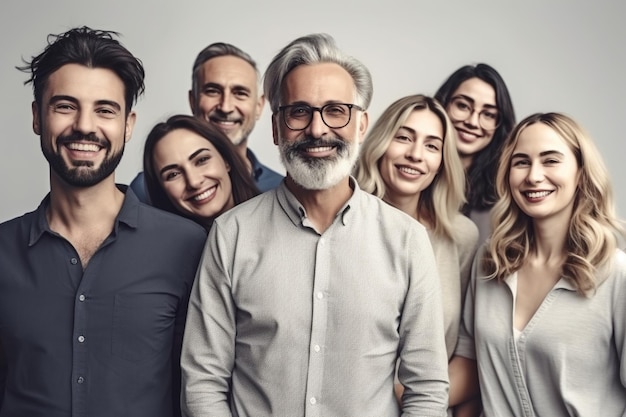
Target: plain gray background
(554, 55)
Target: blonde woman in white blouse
(545, 315)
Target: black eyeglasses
(460, 109)
(334, 115)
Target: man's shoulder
(258, 207)
(10, 229)
(372, 206)
(264, 177)
(152, 218)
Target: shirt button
(320, 295)
(322, 241)
(313, 400)
(316, 348)
(80, 380)
(81, 297)
(73, 261)
(81, 339)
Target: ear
(192, 102)
(275, 128)
(259, 106)
(363, 123)
(130, 124)
(36, 118)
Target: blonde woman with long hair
(410, 160)
(545, 315)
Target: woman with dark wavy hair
(192, 169)
(478, 103)
(545, 316)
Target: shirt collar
(297, 213)
(257, 168)
(129, 215)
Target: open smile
(205, 195)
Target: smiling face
(543, 174)
(193, 174)
(228, 97)
(472, 138)
(319, 157)
(413, 157)
(82, 124)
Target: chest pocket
(143, 325)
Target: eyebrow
(468, 98)
(541, 154)
(74, 100)
(414, 133)
(221, 87)
(174, 166)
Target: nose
(84, 122)
(415, 152)
(226, 102)
(472, 119)
(194, 179)
(535, 173)
(317, 128)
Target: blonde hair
(592, 236)
(443, 199)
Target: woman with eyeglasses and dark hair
(478, 103)
(192, 169)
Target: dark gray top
(103, 342)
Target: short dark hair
(242, 183)
(93, 49)
(481, 175)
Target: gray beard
(318, 173)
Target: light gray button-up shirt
(284, 321)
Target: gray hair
(314, 49)
(215, 50)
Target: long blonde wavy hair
(592, 236)
(443, 199)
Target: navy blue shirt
(100, 342)
(264, 178)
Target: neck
(550, 239)
(466, 161)
(407, 204)
(321, 206)
(242, 150)
(74, 208)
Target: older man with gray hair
(309, 295)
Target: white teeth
(410, 170)
(320, 149)
(538, 194)
(84, 147)
(205, 194)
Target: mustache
(80, 137)
(220, 116)
(312, 142)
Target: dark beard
(77, 176)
